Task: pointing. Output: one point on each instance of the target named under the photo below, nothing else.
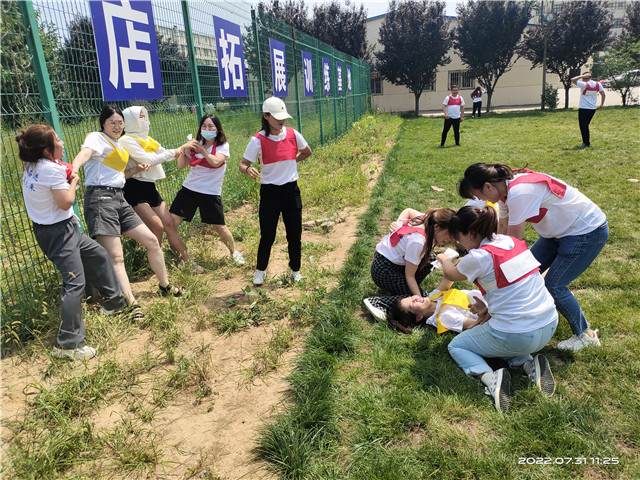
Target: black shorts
(187, 202)
(136, 191)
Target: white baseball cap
(275, 107)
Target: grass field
(364, 402)
(368, 403)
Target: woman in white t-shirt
(403, 257)
(523, 315)
(144, 169)
(106, 212)
(572, 231)
(49, 191)
(278, 149)
(207, 157)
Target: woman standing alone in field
(49, 190)
(278, 149)
(143, 171)
(107, 213)
(207, 157)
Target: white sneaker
(377, 313)
(84, 353)
(541, 376)
(192, 265)
(499, 390)
(295, 276)
(258, 277)
(239, 259)
(578, 342)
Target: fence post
(195, 78)
(295, 78)
(40, 66)
(254, 21)
(320, 90)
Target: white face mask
(145, 124)
(209, 134)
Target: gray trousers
(77, 257)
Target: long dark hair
(476, 92)
(429, 220)
(265, 125)
(221, 138)
(106, 112)
(476, 175)
(33, 142)
(472, 220)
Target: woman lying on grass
(402, 258)
(444, 308)
(523, 314)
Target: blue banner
(307, 68)
(127, 50)
(339, 77)
(278, 68)
(348, 78)
(326, 76)
(233, 78)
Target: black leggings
(448, 123)
(477, 106)
(275, 199)
(584, 119)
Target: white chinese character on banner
(125, 12)
(348, 79)
(279, 70)
(327, 78)
(231, 64)
(308, 76)
(339, 76)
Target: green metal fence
(50, 75)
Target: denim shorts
(107, 212)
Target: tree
(615, 63)
(575, 34)
(20, 95)
(488, 55)
(344, 29)
(415, 40)
(173, 65)
(289, 11)
(631, 24)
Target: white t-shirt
(589, 100)
(574, 214)
(95, 172)
(412, 246)
(452, 316)
(277, 173)
(38, 182)
(208, 180)
(138, 155)
(479, 97)
(453, 110)
(522, 307)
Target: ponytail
(429, 220)
(475, 221)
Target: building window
(430, 87)
(376, 84)
(621, 5)
(464, 80)
(617, 22)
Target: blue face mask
(208, 135)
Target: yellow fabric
(149, 145)
(117, 159)
(450, 297)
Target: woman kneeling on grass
(572, 231)
(403, 257)
(207, 157)
(444, 308)
(278, 149)
(143, 171)
(49, 190)
(523, 315)
(107, 213)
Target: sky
(379, 7)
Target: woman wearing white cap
(278, 149)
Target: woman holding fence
(106, 212)
(207, 157)
(278, 149)
(49, 190)
(140, 187)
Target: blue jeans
(469, 348)
(566, 258)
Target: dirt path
(213, 438)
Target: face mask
(145, 124)
(208, 135)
